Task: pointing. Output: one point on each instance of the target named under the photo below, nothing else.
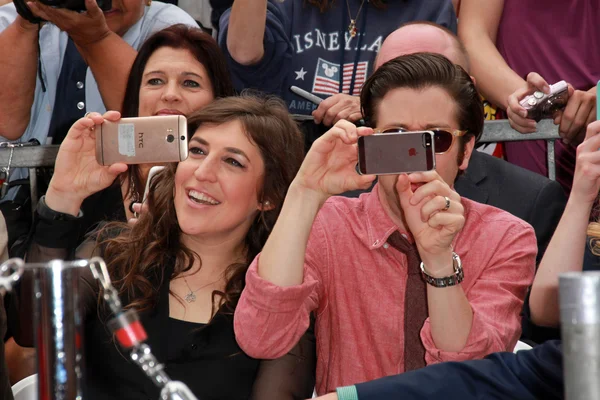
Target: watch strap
(446, 281)
(46, 212)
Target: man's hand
(329, 166)
(337, 107)
(25, 26)
(84, 28)
(573, 120)
(432, 220)
(579, 113)
(517, 114)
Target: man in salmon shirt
(352, 261)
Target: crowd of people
(264, 265)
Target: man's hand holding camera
(329, 167)
(434, 215)
(572, 120)
(84, 28)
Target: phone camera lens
(182, 137)
(170, 138)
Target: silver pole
(580, 324)
(58, 331)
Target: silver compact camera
(540, 105)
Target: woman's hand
(329, 168)
(77, 174)
(586, 180)
(138, 210)
(432, 220)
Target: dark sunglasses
(443, 139)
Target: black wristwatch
(446, 281)
(46, 212)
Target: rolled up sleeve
(269, 319)
(496, 299)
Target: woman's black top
(207, 357)
(5, 389)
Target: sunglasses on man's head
(443, 138)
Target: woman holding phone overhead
(183, 263)
(177, 71)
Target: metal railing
(501, 131)
(34, 157)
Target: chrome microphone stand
(59, 328)
(579, 294)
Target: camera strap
(25, 12)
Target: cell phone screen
(396, 153)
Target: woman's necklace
(352, 27)
(190, 297)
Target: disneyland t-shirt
(313, 50)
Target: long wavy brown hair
(593, 233)
(137, 256)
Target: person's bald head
(416, 37)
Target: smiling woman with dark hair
(178, 70)
(183, 264)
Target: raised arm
(566, 248)
(109, 57)
(19, 55)
(328, 169)
(284, 283)
(477, 28)
(247, 30)
(76, 176)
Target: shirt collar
(379, 225)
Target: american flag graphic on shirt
(327, 77)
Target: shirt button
(79, 85)
(80, 105)
(385, 246)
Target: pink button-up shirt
(355, 282)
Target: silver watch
(446, 281)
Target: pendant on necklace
(190, 297)
(352, 28)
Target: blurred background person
(508, 39)
(326, 47)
